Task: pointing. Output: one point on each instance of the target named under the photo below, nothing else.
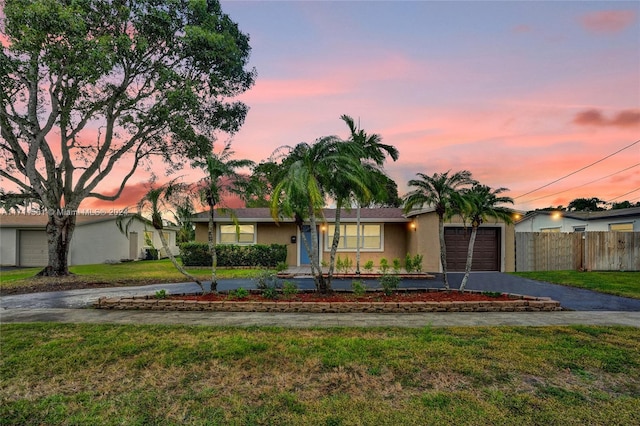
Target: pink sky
(519, 93)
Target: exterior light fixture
(413, 225)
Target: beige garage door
(33, 248)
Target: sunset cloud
(608, 21)
(595, 117)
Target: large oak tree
(93, 89)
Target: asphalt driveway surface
(569, 297)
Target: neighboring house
(96, 239)
(622, 220)
(385, 233)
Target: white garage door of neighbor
(33, 248)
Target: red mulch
(418, 296)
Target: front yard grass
(619, 283)
(60, 374)
(119, 274)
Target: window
(579, 228)
(621, 227)
(244, 234)
(370, 237)
(549, 229)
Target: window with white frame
(243, 234)
(621, 227)
(370, 237)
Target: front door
(305, 257)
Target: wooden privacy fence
(591, 251)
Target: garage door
(486, 251)
(33, 248)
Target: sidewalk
(306, 320)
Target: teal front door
(305, 257)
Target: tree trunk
(322, 285)
(212, 251)
(60, 229)
(335, 241)
(443, 251)
(358, 240)
(467, 268)
(179, 267)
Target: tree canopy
(93, 87)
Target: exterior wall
(270, 233)
(202, 232)
(8, 246)
(102, 242)
(423, 239)
(98, 243)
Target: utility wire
(579, 170)
(627, 193)
(580, 186)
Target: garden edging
(518, 304)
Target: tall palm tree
(375, 152)
(156, 199)
(442, 192)
(221, 177)
(482, 203)
(311, 173)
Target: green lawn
(129, 273)
(63, 374)
(618, 283)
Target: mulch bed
(313, 297)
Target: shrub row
(267, 256)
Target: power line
(580, 186)
(579, 170)
(626, 193)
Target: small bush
(282, 266)
(239, 293)
(408, 263)
(389, 283)
(289, 288)
(268, 282)
(396, 266)
(358, 287)
(417, 262)
(368, 266)
(384, 265)
(339, 264)
(161, 294)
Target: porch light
(413, 225)
(323, 228)
(556, 215)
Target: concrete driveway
(569, 297)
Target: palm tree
(376, 152)
(442, 191)
(221, 177)
(184, 215)
(482, 203)
(156, 199)
(311, 172)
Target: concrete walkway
(311, 320)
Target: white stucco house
(621, 220)
(96, 239)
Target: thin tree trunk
(322, 285)
(336, 239)
(443, 251)
(59, 232)
(358, 240)
(179, 267)
(212, 251)
(467, 268)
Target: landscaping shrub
(389, 283)
(257, 255)
(289, 288)
(408, 263)
(358, 287)
(368, 266)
